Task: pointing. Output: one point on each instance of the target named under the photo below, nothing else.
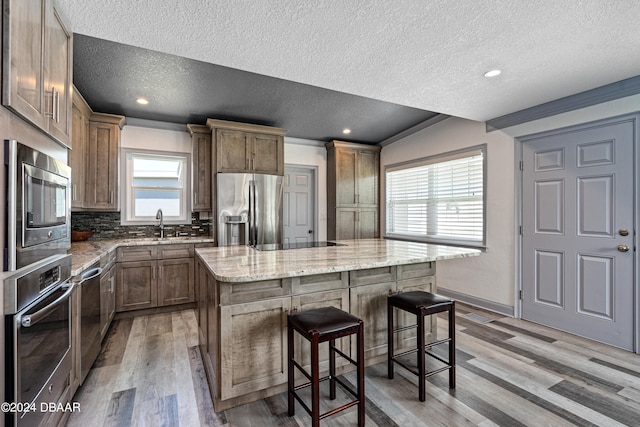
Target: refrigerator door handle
(252, 216)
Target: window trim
(439, 158)
(126, 195)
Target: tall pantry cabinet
(352, 190)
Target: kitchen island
(244, 296)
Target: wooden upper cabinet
(80, 114)
(244, 147)
(58, 71)
(233, 151)
(368, 166)
(267, 154)
(94, 157)
(201, 160)
(37, 66)
(101, 173)
(352, 190)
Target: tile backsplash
(106, 225)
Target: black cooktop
(299, 245)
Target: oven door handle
(32, 319)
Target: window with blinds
(438, 199)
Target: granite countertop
(86, 253)
(245, 264)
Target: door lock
(623, 232)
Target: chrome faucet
(159, 216)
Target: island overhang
(245, 264)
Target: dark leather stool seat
(422, 304)
(317, 326)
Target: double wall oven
(37, 288)
(38, 338)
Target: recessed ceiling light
(142, 101)
(492, 73)
(346, 131)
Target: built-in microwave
(38, 202)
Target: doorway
(299, 204)
(578, 270)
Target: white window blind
(438, 199)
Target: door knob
(310, 231)
(623, 248)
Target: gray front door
(577, 251)
(298, 204)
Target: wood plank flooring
(509, 373)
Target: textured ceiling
(429, 55)
(112, 75)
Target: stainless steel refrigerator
(249, 208)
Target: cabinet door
(175, 281)
(346, 177)
(105, 285)
(58, 66)
(77, 158)
(367, 178)
(369, 303)
(111, 296)
(346, 223)
(267, 154)
(253, 346)
(232, 151)
(367, 225)
(202, 156)
(23, 70)
(136, 285)
(101, 184)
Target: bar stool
(422, 304)
(317, 326)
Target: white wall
(305, 152)
(491, 275)
(145, 138)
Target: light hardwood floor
(509, 373)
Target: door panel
(298, 205)
(577, 194)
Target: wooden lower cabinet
(166, 278)
(242, 326)
(253, 346)
(107, 298)
(175, 281)
(369, 303)
(137, 286)
(356, 223)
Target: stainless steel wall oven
(38, 206)
(37, 306)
